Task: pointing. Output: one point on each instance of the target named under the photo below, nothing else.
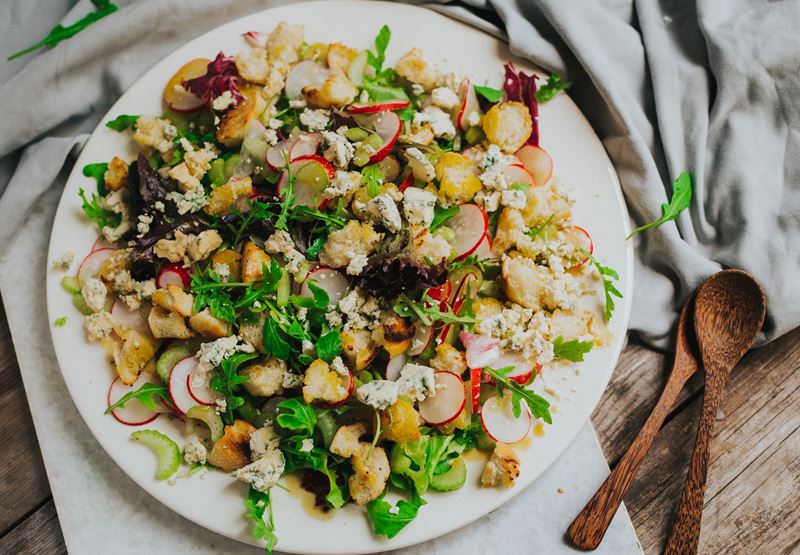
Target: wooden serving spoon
(729, 311)
(589, 527)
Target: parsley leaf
(571, 350)
(329, 346)
(681, 198)
(606, 275)
(296, 416)
(381, 42)
(540, 407)
(257, 504)
(60, 322)
(146, 395)
(372, 176)
(96, 213)
(441, 215)
(553, 86)
(490, 94)
(388, 522)
(98, 172)
(122, 122)
(226, 380)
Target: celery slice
(167, 451)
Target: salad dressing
(306, 498)
(538, 431)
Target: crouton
(510, 227)
(321, 383)
(570, 325)
(283, 45)
(457, 179)
(396, 334)
(206, 242)
(525, 282)
(232, 194)
(371, 468)
(252, 65)
(486, 307)
(419, 135)
(253, 261)
(174, 298)
(167, 324)
(232, 124)
(336, 91)
(264, 378)
(209, 326)
(449, 358)
(132, 354)
(232, 450)
(339, 56)
(354, 239)
(400, 422)
(253, 332)
(188, 248)
(347, 440)
(116, 176)
(508, 125)
(502, 468)
(546, 203)
(427, 248)
(359, 347)
(186, 181)
(229, 258)
(413, 67)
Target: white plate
(216, 501)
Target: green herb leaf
(60, 322)
(257, 504)
(274, 343)
(98, 172)
(372, 177)
(441, 215)
(490, 94)
(553, 86)
(381, 42)
(680, 201)
(606, 275)
(427, 311)
(226, 380)
(571, 350)
(146, 395)
(329, 345)
(96, 213)
(384, 520)
(296, 416)
(122, 122)
(534, 231)
(540, 407)
(519, 186)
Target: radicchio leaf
(220, 77)
(521, 87)
(388, 278)
(143, 259)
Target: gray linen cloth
(706, 86)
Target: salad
(338, 269)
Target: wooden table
(753, 496)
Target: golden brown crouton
(252, 65)
(457, 178)
(116, 176)
(400, 422)
(525, 281)
(352, 240)
(283, 44)
(322, 383)
(347, 440)
(510, 227)
(264, 378)
(231, 195)
(167, 324)
(253, 332)
(116, 262)
(508, 125)
(359, 347)
(229, 258)
(486, 307)
(413, 67)
(232, 124)
(132, 354)
(204, 244)
(449, 358)
(337, 91)
(339, 56)
(253, 260)
(174, 298)
(371, 466)
(546, 203)
(396, 334)
(209, 326)
(232, 450)
(502, 468)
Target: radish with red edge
(480, 349)
(333, 282)
(441, 293)
(484, 249)
(407, 182)
(469, 284)
(580, 239)
(124, 316)
(133, 413)
(306, 145)
(388, 127)
(423, 335)
(349, 383)
(518, 174)
(448, 402)
(394, 366)
(173, 274)
(312, 175)
(469, 104)
(371, 108)
(390, 168)
(522, 368)
(256, 38)
(90, 266)
(475, 388)
(176, 96)
(179, 384)
(101, 243)
(201, 393)
(305, 74)
(278, 154)
(537, 162)
(497, 418)
(470, 226)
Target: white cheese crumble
(98, 325)
(223, 101)
(416, 382)
(191, 201)
(343, 184)
(194, 451)
(306, 445)
(379, 394)
(94, 293)
(281, 242)
(64, 262)
(357, 264)
(211, 354)
(297, 103)
(420, 165)
(384, 210)
(340, 151)
(444, 98)
(315, 120)
(418, 206)
(143, 226)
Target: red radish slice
(255, 38)
(201, 393)
(101, 243)
(355, 71)
(132, 319)
(133, 413)
(306, 145)
(469, 104)
(312, 175)
(366, 108)
(390, 168)
(523, 367)
(484, 249)
(332, 281)
(468, 285)
(407, 182)
(278, 154)
(470, 226)
(518, 174)
(305, 74)
(179, 384)
(475, 388)
(388, 126)
(480, 349)
(90, 266)
(394, 366)
(422, 338)
(441, 293)
(497, 417)
(173, 274)
(537, 162)
(580, 239)
(448, 402)
(176, 96)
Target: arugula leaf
(540, 407)
(441, 215)
(680, 201)
(389, 521)
(123, 122)
(60, 322)
(372, 176)
(427, 311)
(571, 350)
(98, 172)
(606, 275)
(274, 343)
(60, 32)
(287, 196)
(299, 417)
(257, 504)
(534, 231)
(226, 380)
(146, 395)
(381, 42)
(490, 94)
(96, 213)
(329, 346)
(553, 86)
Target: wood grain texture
(39, 534)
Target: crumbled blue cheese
(189, 202)
(223, 101)
(315, 120)
(362, 311)
(384, 210)
(444, 98)
(357, 264)
(268, 464)
(513, 198)
(292, 381)
(115, 202)
(343, 185)
(418, 206)
(417, 89)
(297, 103)
(281, 242)
(155, 133)
(223, 271)
(64, 262)
(379, 394)
(340, 151)
(307, 445)
(194, 451)
(440, 122)
(337, 364)
(143, 226)
(420, 165)
(94, 293)
(394, 509)
(211, 354)
(416, 382)
(98, 325)
(275, 123)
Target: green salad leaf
(296, 416)
(123, 122)
(553, 86)
(571, 350)
(146, 395)
(680, 201)
(329, 346)
(377, 58)
(607, 274)
(258, 504)
(441, 215)
(227, 381)
(97, 172)
(96, 213)
(540, 407)
(372, 177)
(490, 94)
(428, 311)
(388, 520)
(60, 322)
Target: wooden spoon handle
(685, 535)
(589, 527)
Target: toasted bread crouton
(425, 246)
(253, 260)
(132, 354)
(188, 248)
(347, 439)
(457, 179)
(231, 194)
(354, 239)
(525, 282)
(486, 307)
(174, 298)
(322, 383)
(209, 326)
(502, 468)
(167, 324)
(396, 334)
(420, 135)
(336, 91)
(252, 65)
(371, 468)
(264, 378)
(232, 450)
(400, 422)
(232, 124)
(339, 56)
(156, 133)
(116, 176)
(283, 45)
(449, 358)
(546, 203)
(229, 258)
(359, 347)
(253, 332)
(508, 125)
(204, 244)
(413, 67)
(510, 227)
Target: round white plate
(215, 502)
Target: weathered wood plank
(39, 534)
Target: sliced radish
(467, 285)
(128, 318)
(537, 162)
(201, 393)
(469, 104)
(179, 384)
(518, 174)
(306, 145)
(355, 71)
(422, 338)
(90, 266)
(497, 417)
(441, 293)
(388, 126)
(101, 243)
(407, 182)
(305, 74)
(522, 367)
(475, 388)
(480, 349)
(484, 249)
(390, 168)
(470, 226)
(278, 154)
(178, 97)
(394, 366)
(312, 175)
(366, 108)
(173, 274)
(133, 413)
(332, 281)
(580, 239)
(255, 38)
(447, 403)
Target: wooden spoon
(728, 314)
(589, 527)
